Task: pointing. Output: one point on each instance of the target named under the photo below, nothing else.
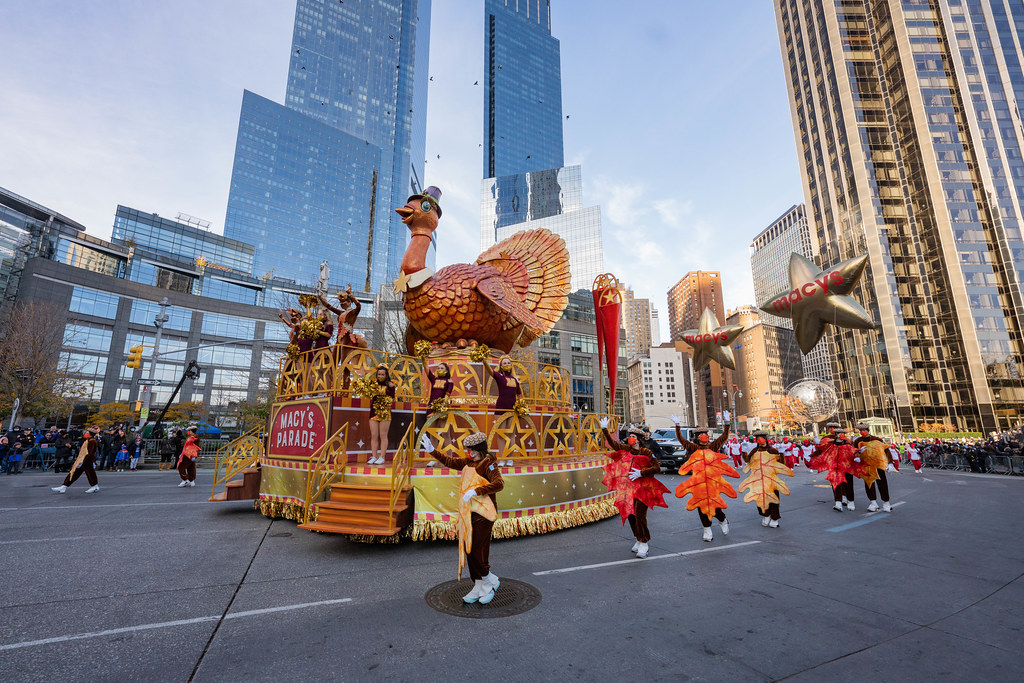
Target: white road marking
(168, 624)
(648, 559)
(161, 534)
(110, 505)
(867, 518)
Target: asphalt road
(144, 581)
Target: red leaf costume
(836, 459)
(707, 469)
(645, 489)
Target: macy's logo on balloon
(718, 338)
(809, 289)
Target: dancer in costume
(764, 486)
(380, 416)
(631, 475)
(835, 455)
(707, 484)
(187, 460)
(806, 451)
(347, 316)
(326, 331)
(735, 449)
(915, 456)
(83, 465)
(441, 386)
(509, 390)
(481, 480)
(874, 454)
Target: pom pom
(422, 348)
(292, 350)
(479, 353)
(520, 408)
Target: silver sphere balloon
(812, 400)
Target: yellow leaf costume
(481, 505)
(764, 485)
(873, 458)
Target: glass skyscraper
(319, 177)
(911, 150)
(526, 186)
(523, 89)
(769, 264)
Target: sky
(677, 112)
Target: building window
(145, 312)
(582, 386)
(93, 302)
(548, 340)
(228, 326)
(583, 343)
(582, 366)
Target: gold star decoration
(816, 299)
(402, 282)
(711, 342)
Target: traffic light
(136, 406)
(135, 357)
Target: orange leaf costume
(764, 484)
(190, 450)
(873, 457)
(836, 459)
(707, 469)
(645, 489)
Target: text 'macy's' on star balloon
(711, 342)
(819, 298)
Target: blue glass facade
(301, 192)
(523, 89)
(320, 176)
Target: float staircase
(236, 467)
(363, 510)
(246, 487)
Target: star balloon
(711, 342)
(816, 299)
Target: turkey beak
(406, 213)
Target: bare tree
(32, 367)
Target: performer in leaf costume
(764, 485)
(838, 458)
(706, 485)
(631, 475)
(481, 480)
(876, 458)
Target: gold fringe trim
(276, 509)
(425, 530)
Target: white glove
(604, 422)
(675, 419)
(890, 468)
(634, 474)
(425, 443)
(856, 459)
(468, 494)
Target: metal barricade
(999, 464)
(1017, 464)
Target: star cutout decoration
(816, 299)
(402, 283)
(711, 342)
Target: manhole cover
(512, 597)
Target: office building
(911, 151)
(655, 328)
(661, 385)
(687, 300)
(766, 364)
(319, 177)
(522, 89)
(769, 263)
(636, 321)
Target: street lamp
(731, 396)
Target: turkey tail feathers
(536, 263)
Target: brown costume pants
(86, 468)
(638, 522)
(773, 510)
(883, 487)
(706, 521)
(187, 469)
(478, 558)
(844, 489)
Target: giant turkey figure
(515, 292)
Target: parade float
(312, 458)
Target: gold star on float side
(818, 298)
(718, 345)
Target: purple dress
(439, 387)
(509, 389)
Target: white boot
(93, 489)
(707, 534)
(764, 520)
(851, 506)
(873, 506)
(636, 546)
(774, 524)
(183, 484)
(478, 590)
(488, 593)
(724, 526)
(641, 550)
(59, 489)
(509, 463)
(492, 580)
(838, 507)
(192, 483)
(886, 507)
